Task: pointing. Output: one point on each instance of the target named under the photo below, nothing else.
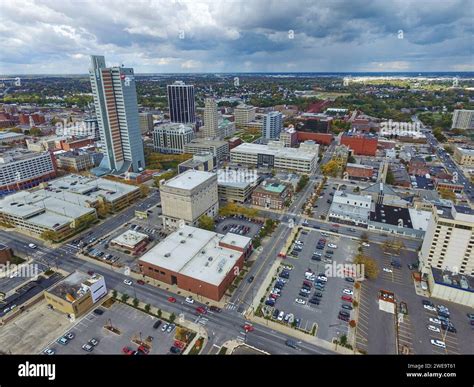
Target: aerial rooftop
(189, 179)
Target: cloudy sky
(57, 36)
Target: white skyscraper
(272, 125)
(211, 120)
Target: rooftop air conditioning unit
(167, 255)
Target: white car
(280, 316)
(332, 245)
(298, 242)
(387, 270)
(189, 300)
(429, 307)
(365, 244)
(49, 351)
(323, 278)
(286, 267)
(432, 328)
(435, 321)
(438, 343)
(300, 301)
(348, 292)
(127, 282)
(303, 290)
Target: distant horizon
(334, 73)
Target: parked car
(201, 310)
(175, 350)
(62, 340)
(98, 312)
(157, 324)
(346, 298)
(49, 351)
(432, 328)
(349, 279)
(189, 300)
(214, 308)
(346, 306)
(438, 343)
(88, 347)
(94, 342)
(127, 282)
(348, 291)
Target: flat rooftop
(189, 179)
(196, 253)
(391, 215)
(129, 238)
(70, 288)
(240, 178)
(457, 281)
(283, 152)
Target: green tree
(114, 293)
(135, 302)
(49, 235)
(390, 179)
(172, 317)
(147, 308)
(159, 313)
(207, 223)
(371, 269)
(125, 297)
(144, 190)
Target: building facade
(449, 241)
(146, 122)
(172, 137)
(244, 114)
(211, 119)
(464, 156)
(181, 103)
(219, 149)
(272, 125)
(115, 100)
(360, 144)
(463, 119)
(188, 196)
(271, 194)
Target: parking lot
(239, 225)
(131, 323)
(101, 249)
(379, 332)
(326, 313)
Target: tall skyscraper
(211, 120)
(115, 100)
(181, 103)
(272, 125)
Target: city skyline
(183, 37)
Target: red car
(179, 344)
(143, 349)
(90, 272)
(201, 310)
(141, 282)
(347, 298)
(127, 351)
(172, 299)
(248, 327)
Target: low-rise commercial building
(236, 185)
(271, 194)
(130, 240)
(75, 161)
(360, 144)
(275, 155)
(350, 209)
(359, 171)
(219, 149)
(76, 294)
(464, 156)
(64, 204)
(205, 161)
(452, 287)
(188, 196)
(448, 185)
(198, 261)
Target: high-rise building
(463, 119)
(146, 122)
(172, 137)
(272, 125)
(181, 103)
(244, 114)
(211, 119)
(115, 100)
(449, 241)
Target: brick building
(360, 144)
(196, 260)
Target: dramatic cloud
(57, 36)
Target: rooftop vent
(167, 255)
(182, 241)
(209, 259)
